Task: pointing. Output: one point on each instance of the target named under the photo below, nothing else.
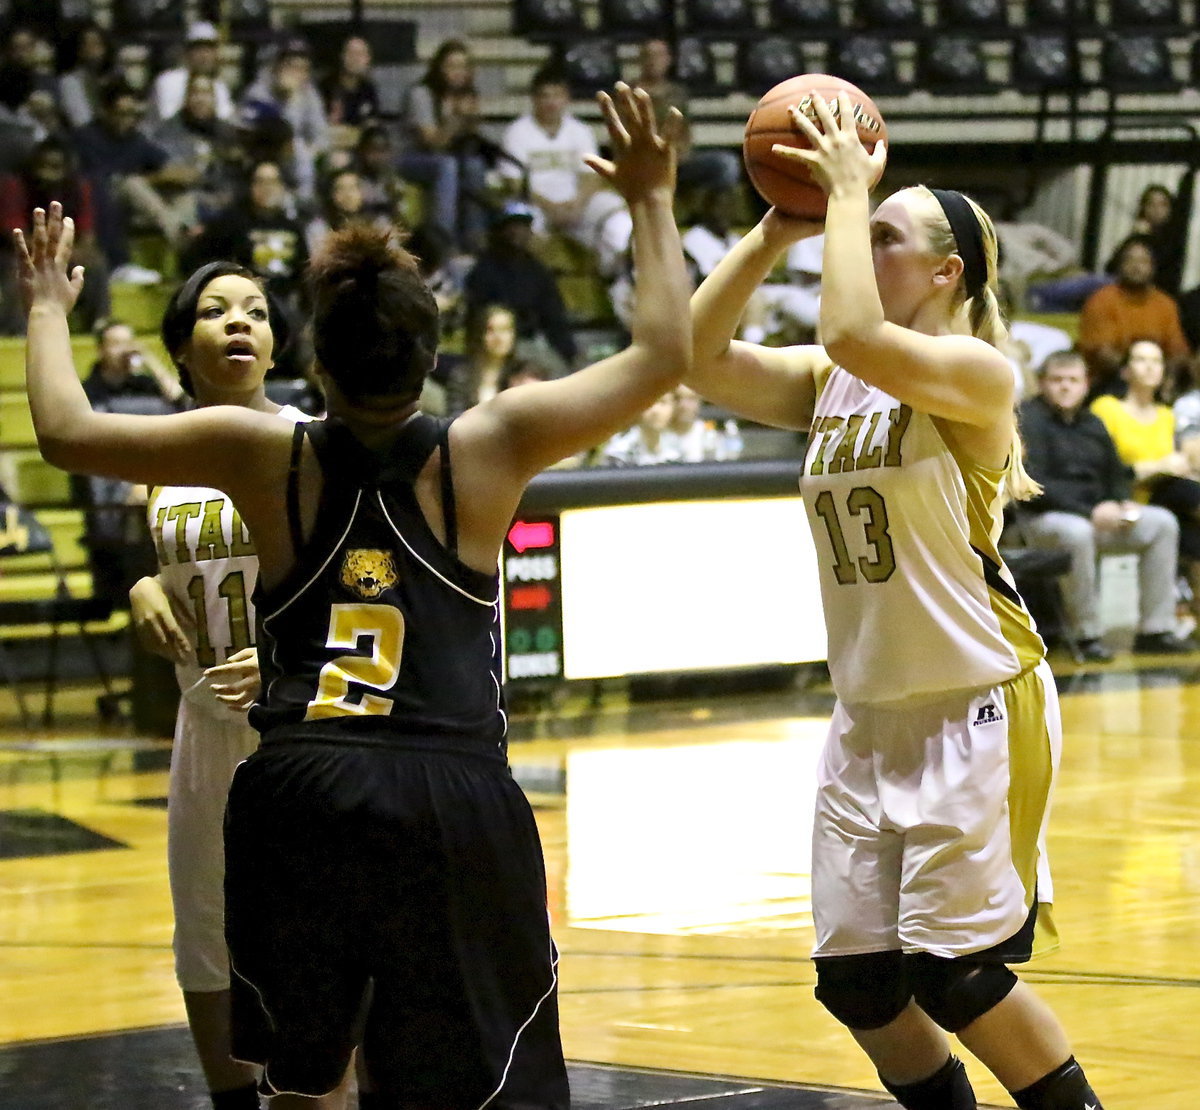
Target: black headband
(968, 238)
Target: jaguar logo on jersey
(368, 571)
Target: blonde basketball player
(934, 786)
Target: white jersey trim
(489, 602)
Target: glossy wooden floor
(676, 839)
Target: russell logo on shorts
(988, 715)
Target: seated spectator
(489, 355)
(1131, 308)
(1085, 507)
(286, 91)
(1143, 429)
(197, 137)
(134, 181)
(698, 440)
(546, 150)
(443, 270)
(1162, 219)
(200, 59)
(704, 169)
(443, 148)
(349, 92)
(89, 64)
(260, 230)
(25, 54)
(647, 442)
(341, 203)
(507, 272)
(50, 174)
(1187, 422)
(384, 192)
(1039, 267)
(124, 378)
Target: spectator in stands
(1162, 220)
(260, 230)
(1039, 268)
(1187, 422)
(125, 369)
(1130, 308)
(134, 181)
(18, 132)
(1085, 506)
(443, 147)
(89, 63)
(698, 169)
(1143, 429)
(341, 205)
(648, 442)
(545, 149)
(349, 92)
(196, 136)
(695, 439)
(124, 378)
(201, 58)
(50, 174)
(26, 55)
(384, 192)
(489, 355)
(444, 272)
(508, 273)
(286, 90)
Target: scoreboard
(660, 570)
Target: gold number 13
(861, 501)
(379, 670)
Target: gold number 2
(384, 625)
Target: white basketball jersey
(917, 600)
(208, 568)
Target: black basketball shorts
(420, 873)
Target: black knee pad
(956, 992)
(863, 992)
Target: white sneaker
(132, 274)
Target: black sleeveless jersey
(380, 635)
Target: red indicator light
(525, 534)
(529, 597)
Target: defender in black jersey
(380, 858)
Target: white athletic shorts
(207, 750)
(929, 832)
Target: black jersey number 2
(383, 625)
(868, 503)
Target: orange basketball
(784, 182)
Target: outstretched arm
(770, 385)
(220, 447)
(523, 431)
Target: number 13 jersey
(917, 599)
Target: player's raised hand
(42, 264)
(837, 155)
(644, 157)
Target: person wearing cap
(929, 870)
(508, 273)
(200, 58)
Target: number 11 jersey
(208, 568)
(917, 599)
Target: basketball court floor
(676, 837)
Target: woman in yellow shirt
(1143, 429)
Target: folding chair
(21, 533)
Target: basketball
(783, 182)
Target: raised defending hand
(643, 156)
(838, 157)
(42, 267)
